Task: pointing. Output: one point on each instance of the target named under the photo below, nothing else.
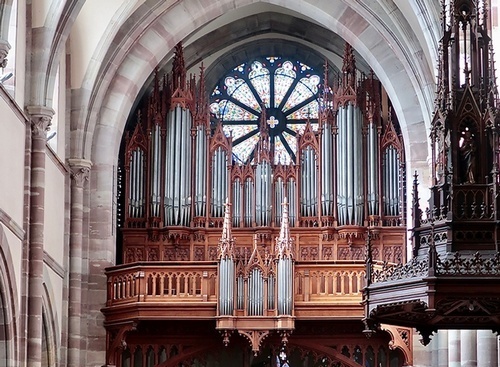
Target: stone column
(40, 117)
(454, 348)
(80, 169)
(487, 349)
(468, 342)
(442, 348)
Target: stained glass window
(286, 90)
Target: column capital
(4, 51)
(41, 118)
(80, 170)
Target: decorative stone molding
(4, 51)
(80, 170)
(41, 118)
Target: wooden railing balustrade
(325, 282)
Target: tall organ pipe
(237, 198)
(201, 172)
(309, 183)
(327, 198)
(155, 171)
(177, 167)
(219, 182)
(350, 173)
(137, 198)
(226, 267)
(373, 177)
(263, 194)
(391, 182)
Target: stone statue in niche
(468, 154)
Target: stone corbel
(4, 51)
(80, 170)
(41, 118)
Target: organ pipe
(156, 149)
(136, 184)
(284, 260)
(201, 172)
(219, 182)
(391, 190)
(226, 266)
(237, 200)
(177, 167)
(349, 175)
(263, 194)
(308, 183)
(372, 176)
(249, 202)
(327, 169)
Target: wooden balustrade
(329, 282)
(162, 282)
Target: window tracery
(286, 91)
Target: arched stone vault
(127, 64)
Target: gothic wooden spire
(178, 68)
(284, 243)
(226, 242)
(347, 90)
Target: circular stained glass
(287, 91)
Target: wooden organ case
(257, 251)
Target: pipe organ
(270, 129)
(252, 204)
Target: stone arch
(5, 12)
(113, 97)
(50, 329)
(8, 306)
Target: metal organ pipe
(177, 167)
(391, 181)
(341, 172)
(372, 169)
(262, 194)
(226, 291)
(155, 171)
(236, 202)
(219, 182)
(309, 183)
(137, 197)
(327, 198)
(350, 163)
(291, 192)
(279, 194)
(248, 202)
(201, 172)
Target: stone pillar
(487, 349)
(40, 121)
(468, 346)
(80, 170)
(454, 348)
(442, 349)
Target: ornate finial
(349, 66)
(284, 244)
(226, 241)
(178, 68)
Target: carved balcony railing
(172, 290)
